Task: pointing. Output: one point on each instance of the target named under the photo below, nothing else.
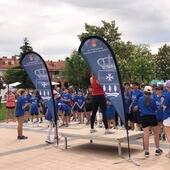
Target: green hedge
(2, 112)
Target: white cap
(148, 89)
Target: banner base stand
(130, 160)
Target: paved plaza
(35, 154)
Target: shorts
(88, 107)
(166, 122)
(76, 108)
(34, 113)
(9, 107)
(67, 113)
(136, 117)
(20, 115)
(130, 117)
(149, 120)
(110, 117)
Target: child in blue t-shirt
(136, 93)
(27, 98)
(34, 107)
(79, 102)
(148, 108)
(66, 106)
(20, 107)
(110, 114)
(159, 98)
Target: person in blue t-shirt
(159, 98)
(34, 107)
(66, 106)
(27, 98)
(110, 114)
(148, 108)
(79, 102)
(166, 117)
(136, 93)
(20, 107)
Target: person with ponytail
(147, 107)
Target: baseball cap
(148, 89)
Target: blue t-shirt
(159, 102)
(19, 106)
(66, 98)
(27, 99)
(65, 107)
(135, 95)
(166, 103)
(110, 111)
(34, 105)
(147, 110)
(79, 99)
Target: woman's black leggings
(99, 101)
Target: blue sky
(52, 26)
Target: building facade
(55, 68)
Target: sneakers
(93, 130)
(158, 152)
(22, 137)
(146, 154)
(48, 141)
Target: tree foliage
(76, 71)
(26, 47)
(108, 31)
(18, 74)
(162, 61)
(134, 61)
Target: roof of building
(55, 65)
(6, 63)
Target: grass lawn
(2, 112)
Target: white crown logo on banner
(41, 74)
(106, 63)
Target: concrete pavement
(35, 154)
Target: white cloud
(52, 26)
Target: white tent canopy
(18, 83)
(55, 83)
(14, 84)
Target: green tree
(142, 64)
(162, 61)
(108, 31)
(76, 71)
(17, 74)
(26, 47)
(134, 61)
(124, 55)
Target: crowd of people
(147, 108)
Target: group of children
(146, 109)
(149, 109)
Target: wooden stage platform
(118, 136)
